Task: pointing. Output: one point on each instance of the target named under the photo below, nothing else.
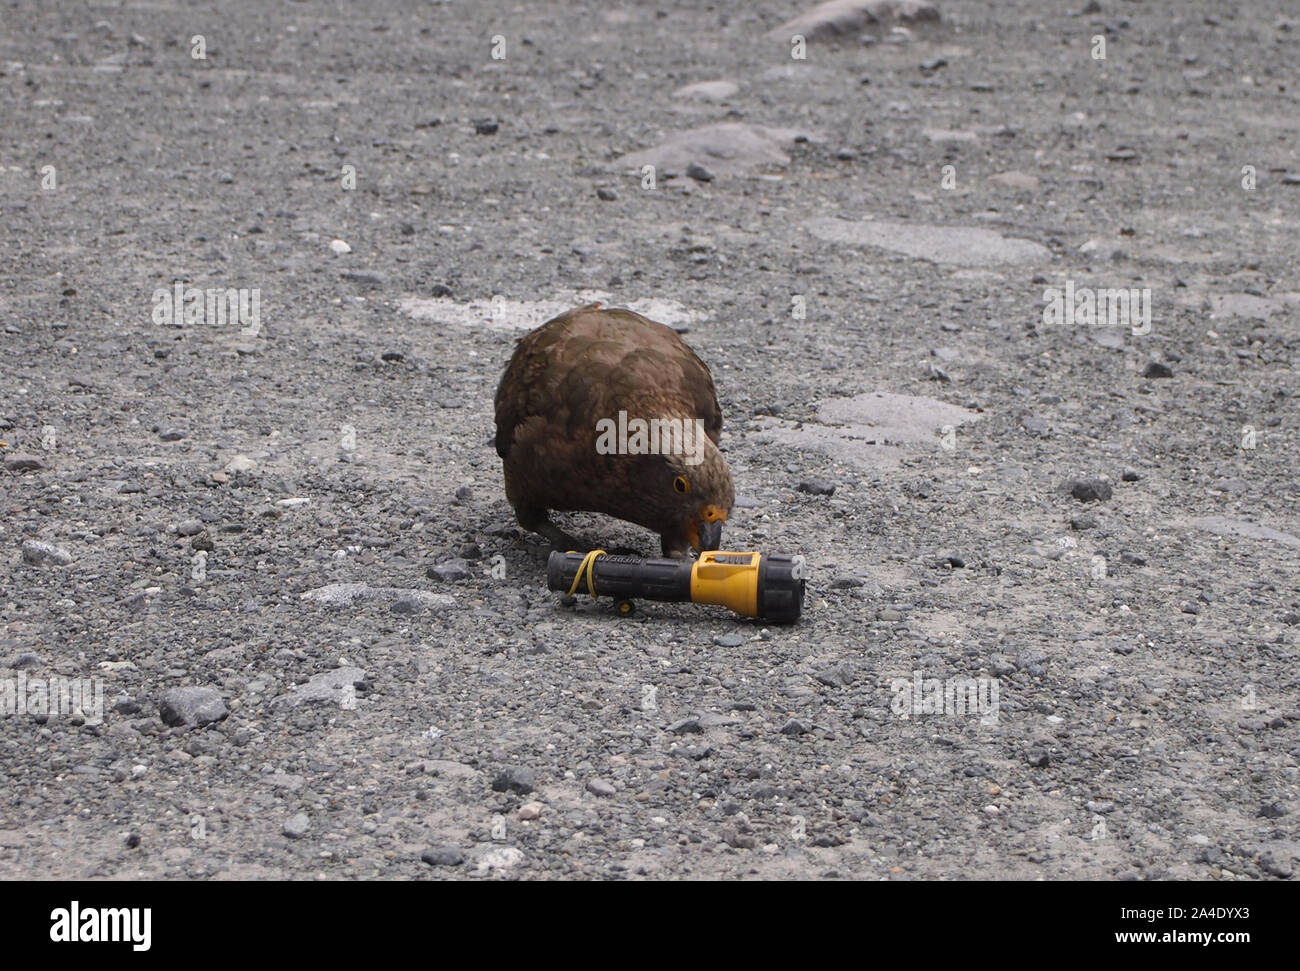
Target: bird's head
(696, 500)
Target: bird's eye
(680, 484)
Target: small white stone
(530, 810)
(339, 247)
(293, 501)
(500, 859)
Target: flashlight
(769, 587)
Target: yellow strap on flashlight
(588, 565)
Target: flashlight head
(781, 582)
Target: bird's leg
(560, 540)
(538, 522)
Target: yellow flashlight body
(728, 580)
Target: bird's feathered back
(589, 362)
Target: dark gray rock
(516, 779)
(817, 487)
(1089, 490)
(192, 707)
(367, 277)
(699, 173)
(18, 462)
(449, 571)
(837, 676)
(443, 856)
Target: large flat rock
(868, 430)
(517, 316)
(728, 148)
(846, 19)
(714, 91)
(1227, 526)
(956, 245)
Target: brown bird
(607, 411)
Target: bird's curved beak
(709, 535)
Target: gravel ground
(283, 551)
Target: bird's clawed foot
(676, 551)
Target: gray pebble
(817, 487)
(18, 462)
(838, 676)
(44, 554)
(192, 707)
(1275, 867)
(515, 779)
(1089, 490)
(448, 571)
(369, 277)
(443, 856)
(296, 826)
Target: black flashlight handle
(623, 577)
